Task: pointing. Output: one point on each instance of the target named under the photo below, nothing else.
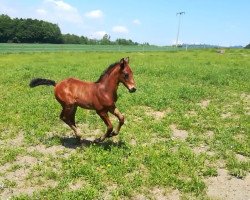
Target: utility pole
(179, 13)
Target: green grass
(18, 48)
(145, 155)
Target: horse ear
(122, 63)
(127, 60)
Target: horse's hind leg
(72, 118)
(68, 116)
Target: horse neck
(110, 81)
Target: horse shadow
(73, 143)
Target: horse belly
(85, 101)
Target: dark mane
(107, 71)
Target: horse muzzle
(132, 90)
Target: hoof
(98, 140)
(113, 133)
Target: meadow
(17, 48)
(186, 132)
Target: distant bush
(247, 47)
(28, 31)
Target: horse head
(126, 75)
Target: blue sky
(217, 22)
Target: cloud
(58, 11)
(136, 22)
(94, 14)
(61, 12)
(41, 11)
(61, 5)
(120, 29)
(98, 34)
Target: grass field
(186, 134)
(17, 48)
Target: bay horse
(100, 96)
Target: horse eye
(126, 76)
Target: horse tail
(41, 81)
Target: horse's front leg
(104, 116)
(117, 113)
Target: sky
(216, 22)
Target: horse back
(74, 91)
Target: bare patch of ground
(158, 193)
(209, 134)
(5, 167)
(246, 102)
(133, 142)
(139, 197)
(53, 150)
(25, 162)
(226, 115)
(229, 115)
(14, 181)
(203, 149)
(241, 158)
(247, 112)
(17, 141)
(227, 187)
(107, 194)
(204, 103)
(245, 97)
(177, 133)
(15, 176)
(77, 184)
(239, 137)
(161, 194)
(221, 163)
(11, 192)
(157, 115)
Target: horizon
(225, 25)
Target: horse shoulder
(104, 98)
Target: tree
(247, 47)
(6, 28)
(28, 30)
(105, 40)
(84, 40)
(72, 39)
(120, 41)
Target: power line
(178, 31)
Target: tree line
(38, 31)
(28, 31)
(75, 39)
